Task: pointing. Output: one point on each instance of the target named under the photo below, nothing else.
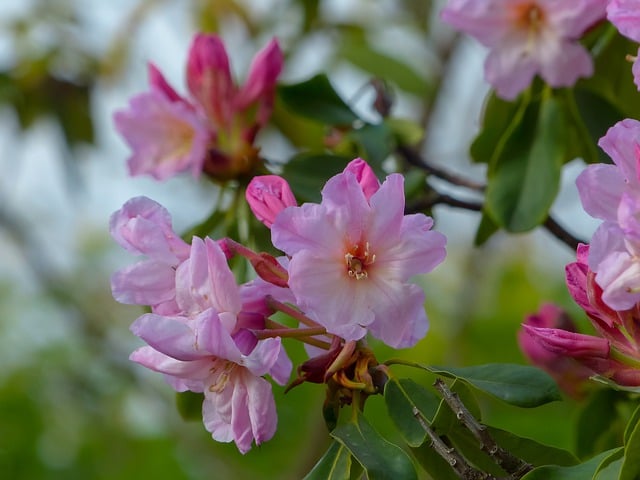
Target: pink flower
(625, 15)
(200, 355)
(267, 196)
(213, 132)
(528, 37)
(352, 257)
(143, 227)
(568, 373)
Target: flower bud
(267, 196)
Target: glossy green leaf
(381, 459)
(531, 451)
(401, 397)
(432, 463)
(499, 119)
(632, 425)
(583, 471)
(335, 464)
(519, 385)
(307, 173)
(609, 468)
(525, 176)
(316, 99)
(631, 465)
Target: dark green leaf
(381, 459)
(532, 451)
(486, 229)
(377, 143)
(189, 405)
(609, 468)
(582, 471)
(307, 173)
(519, 385)
(631, 465)
(316, 99)
(498, 121)
(335, 464)
(432, 463)
(631, 425)
(525, 175)
(401, 396)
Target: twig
(561, 234)
(511, 464)
(413, 158)
(449, 454)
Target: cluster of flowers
(214, 131)
(347, 272)
(539, 37)
(605, 279)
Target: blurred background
(71, 404)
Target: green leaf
(486, 229)
(632, 425)
(609, 468)
(524, 177)
(401, 396)
(631, 466)
(335, 464)
(357, 51)
(189, 405)
(316, 99)
(307, 173)
(519, 385)
(377, 143)
(432, 463)
(381, 459)
(498, 121)
(532, 451)
(407, 132)
(582, 471)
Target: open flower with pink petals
(625, 15)
(612, 193)
(214, 130)
(143, 227)
(528, 37)
(352, 257)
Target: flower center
(529, 17)
(358, 258)
(223, 368)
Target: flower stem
(291, 311)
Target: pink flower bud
(157, 81)
(267, 196)
(575, 345)
(261, 82)
(209, 76)
(365, 176)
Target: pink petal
(570, 62)
(365, 176)
(157, 81)
(170, 336)
(600, 187)
(510, 69)
(144, 283)
(620, 143)
(154, 360)
(166, 137)
(625, 15)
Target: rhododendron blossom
(612, 193)
(625, 15)
(528, 37)
(214, 130)
(352, 256)
(615, 352)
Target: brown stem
(511, 464)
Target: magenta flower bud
(365, 176)
(260, 86)
(209, 76)
(267, 196)
(157, 81)
(549, 316)
(575, 345)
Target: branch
(561, 234)
(511, 464)
(413, 158)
